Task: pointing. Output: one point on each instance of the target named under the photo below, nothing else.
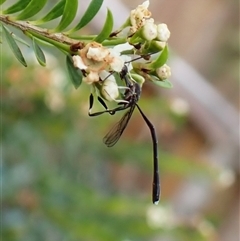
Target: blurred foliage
(56, 172)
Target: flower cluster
(151, 36)
(94, 58)
(96, 61)
(140, 20)
(143, 39)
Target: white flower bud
(109, 90)
(149, 30)
(164, 72)
(163, 32)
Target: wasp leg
(101, 101)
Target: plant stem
(57, 39)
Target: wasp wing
(115, 133)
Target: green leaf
(69, 14)
(31, 9)
(14, 47)
(162, 83)
(54, 13)
(161, 60)
(38, 53)
(18, 6)
(20, 40)
(90, 13)
(107, 28)
(74, 73)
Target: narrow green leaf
(20, 40)
(107, 28)
(90, 13)
(69, 14)
(54, 13)
(74, 73)
(161, 60)
(2, 1)
(162, 83)
(18, 6)
(38, 53)
(31, 9)
(14, 47)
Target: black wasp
(130, 98)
